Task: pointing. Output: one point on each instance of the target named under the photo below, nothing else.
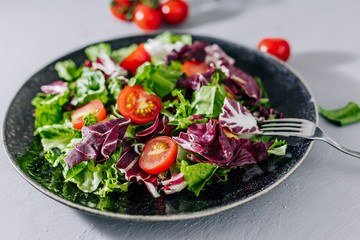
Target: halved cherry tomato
(158, 155)
(174, 11)
(121, 9)
(138, 105)
(135, 59)
(192, 66)
(147, 18)
(95, 107)
(277, 47)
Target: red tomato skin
(119, 8)
(146, 18)
(192, 67)
(174, 11)
(158, 163)
(95, 106)
(135, 59)
(277, 47)
(138, 94)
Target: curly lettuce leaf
(90, 86)
(170, 38)
(156, 78)
(278, 148)
(49, 108)
(96, 51)
(57, 135)
(67, 70)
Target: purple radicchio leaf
(194, 51)
(263, 113)
(100, 140)
(57, 87)
(175, 184)
(241, 79)
(213, 146)
(150, 132)
(215, 53)
(237, 118)
(129, 165)
(108, 66)
(207, 140)
(196, 81)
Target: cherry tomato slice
(277, 47)
(174, 11)
(135, 59)
(158, 155)
(147, 18)
(95, 107)
(120, 9)
(192, 66)
(138, 105)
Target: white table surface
(321, 200)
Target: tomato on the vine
(158, 155)
(121, 9)
(95, 107)
(275, 46)
(138, 105)
(135, 59)
(192, 67)
(174, 11)
(146, 17)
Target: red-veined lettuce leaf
(237, 118)
(99, 141)
(129, 165)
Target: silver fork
(294, 127)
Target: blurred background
(319, 201)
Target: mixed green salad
(170, 113)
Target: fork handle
(346, 150)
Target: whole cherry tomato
(147, 18)
(174, 11)
(121, 9)
(275, 46)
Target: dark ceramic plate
(287, 94)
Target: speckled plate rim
(169, 217)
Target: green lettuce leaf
(182, 116)
(170, 38)
(96, 51)
(197, 175)
(156, 78)
(114, 88)
(90, 86)
(67, 70)
(208, 101)
(57, 135)
(49, 108)
(278, 148)
(342, 116)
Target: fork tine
(292, 120)
(284, 134)
(273, 124)
(275, 129)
